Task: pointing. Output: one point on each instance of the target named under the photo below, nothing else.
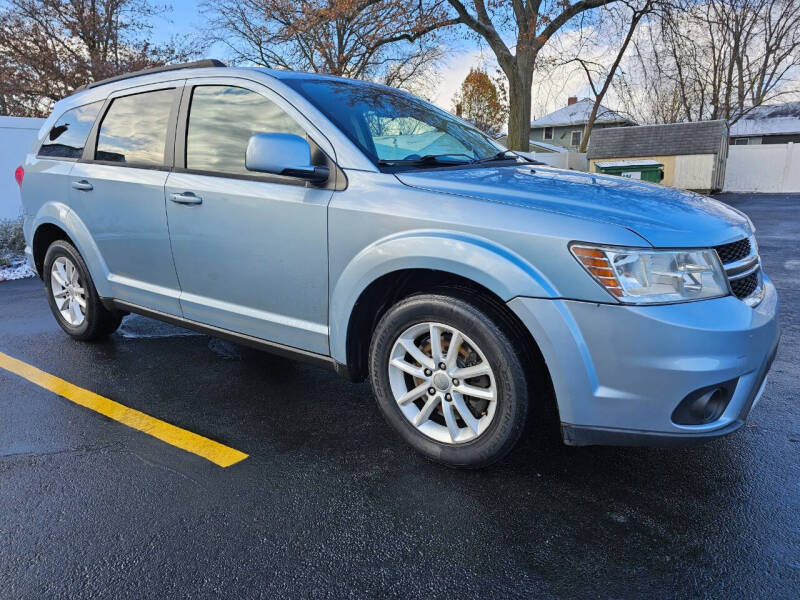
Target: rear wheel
(72, 296)
(449, 379)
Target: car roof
(209, 67)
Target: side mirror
(283, 154)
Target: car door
(250, 249)
(117, 191)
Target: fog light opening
(704, 405)
(707, 407)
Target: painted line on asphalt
(215, 452)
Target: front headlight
(641, 276)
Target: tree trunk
(519, 104)
(587, 130)
(599, 95)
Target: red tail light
(18, 175)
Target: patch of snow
(769, 119)
(19, 269)
(627, 163)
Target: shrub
(12, 242)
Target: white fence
(562, 160)
(16, 136)
(763, 168)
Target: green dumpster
(646, 170)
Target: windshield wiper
(515, 156)
(499, 156)
(427, 159)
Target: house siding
(562, 135)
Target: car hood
(664, 216)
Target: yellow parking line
(186, 440)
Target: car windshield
(395, 129)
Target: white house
(769, 124)
(564, 127)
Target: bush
(12, 242)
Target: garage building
(693, 154)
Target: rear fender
(60, 215)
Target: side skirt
(231, 336)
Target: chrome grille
(743, 267)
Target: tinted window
(134, 129)
(68, 136)
(221, 121)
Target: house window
(576, 138)
(548, 133)
(740, 142)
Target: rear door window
(221, 121)
(134, 129)
(68, 136)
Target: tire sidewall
(512, 401)
(61, 248)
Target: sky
(186, 18)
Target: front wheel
(449, 379)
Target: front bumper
(620, 371)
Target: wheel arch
(57, 221)
(44, 235)
(401, 265)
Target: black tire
(99, 322)
(486, 327)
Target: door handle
(186, 198)
(82, 185)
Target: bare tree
(385, 40)
(532, 24)
(623, 17)
(48, 48)
(715, 59)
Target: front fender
(63, 217)
(487, 263)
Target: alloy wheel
(442, 383)
(68, 291)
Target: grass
(12, 243)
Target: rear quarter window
(68, 136)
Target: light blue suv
(362, 228)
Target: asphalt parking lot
(330, 503)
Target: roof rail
(209, 62)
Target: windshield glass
(394, 128)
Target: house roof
(547, 147)
(578, 114)
(773, 119)
(701, 137)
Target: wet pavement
(330, 503)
